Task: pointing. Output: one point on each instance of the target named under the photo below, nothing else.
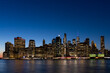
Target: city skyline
(55, 49)
(42, 19)
(62, 40)
(38, 45)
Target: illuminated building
(31, 48)
(43, 42)
(74, 42)
(19, 43)
(102, 45)
(53, 41)
(8, 50)
(87, 41)
(8, 46)
(55, 49)
(48, 51)
(64, 44)
(32, 44)
(94, 49)
(78, 40)
(82, 50)
(71, 49)
(39, 52)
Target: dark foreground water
(54, 66)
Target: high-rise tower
(31, 44)
(43, 42)
(57, 50)
(78, 40)
(87, 41)
(19, 43)
(74, 42)
(8, 50)
(31, 49)
(102, 44)
(65, 44)
(8, 46)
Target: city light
(54, 50)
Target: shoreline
(59, 58)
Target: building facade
(102, 43)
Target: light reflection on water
(54, 66)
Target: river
(55, 66)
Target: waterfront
(55, 66)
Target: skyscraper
(31, 44)
(19, 45)
(74, 42)
(78, 40)
(102, 44)
(64, 44)
(19, 42)
(31, 49)
(57, 50)
(8, 46)
(87, 41)
(58, 40)
(69, 42)
(8, 50)
(92, 43)
(53, 41)
(65, 39)
(43, 42)
(94, 49)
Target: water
(54, 66)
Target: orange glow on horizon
(1, 54)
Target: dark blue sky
(38, 19)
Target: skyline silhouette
(71, 41)
(57, 48)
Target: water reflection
(54, 66)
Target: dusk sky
(45, 19)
